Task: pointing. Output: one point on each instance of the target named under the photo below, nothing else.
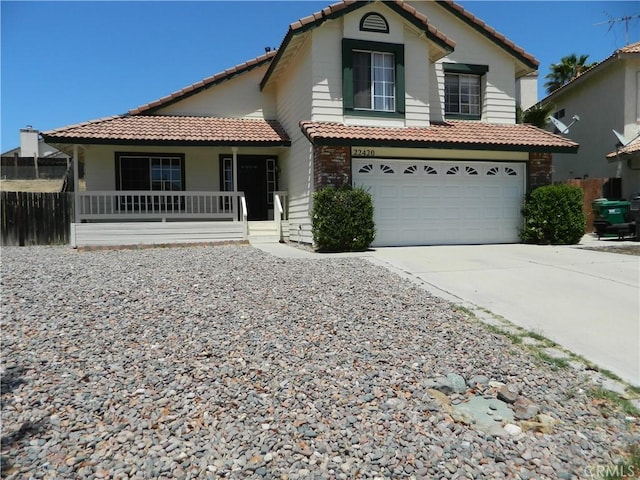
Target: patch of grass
(634, 389)
(613, 399)
(553, 361)
(465, 310)
(627, 468)
(514, 337)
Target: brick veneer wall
(331, 166)
(539, 169)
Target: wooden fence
(594, 188)
(30, 168)
(30, 218)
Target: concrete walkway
(586, 301)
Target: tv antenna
(562, 128)
(612, 21)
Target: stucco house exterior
(606, 97)
(414, 101)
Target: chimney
(29, 142)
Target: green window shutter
(347, 74)
(465, 68)
(398, 51)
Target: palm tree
(538, 115)
(570, 67)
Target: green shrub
(342, 219)
(553, 216)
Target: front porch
(119, 218)
(157, 179)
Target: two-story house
(414, 101)
(605, 98)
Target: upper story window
(374, 81)
(373, 78)
(374, 22)
(463, 90)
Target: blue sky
(68, 62)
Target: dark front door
(252, 180)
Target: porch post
(76, 183)
(236, 204)
(234, 150)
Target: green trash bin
(614, 211)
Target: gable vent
(374, 22)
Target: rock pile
(225, 362)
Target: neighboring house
(415, 101)
(33, 159)
(31, 145)
(606, 97)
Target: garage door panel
(418, 203)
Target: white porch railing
(245, 216)
(280, 210)
(146, 205)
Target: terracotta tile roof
(452, 134)
(167, 130)
(345, 6)
(631, 148)
(204, 83)
(631, 48)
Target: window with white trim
(462, 94)
(463, 90)
(155, 172)
(373, 78)
(374, 81)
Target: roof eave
(201, 86)
(168, 143)
(363, 142)
(528, 61)
(444, 44)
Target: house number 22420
(364, 152)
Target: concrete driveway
(586, 301)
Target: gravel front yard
(210, 362)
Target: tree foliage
(569, 68)
(537, 115)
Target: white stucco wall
(238, 97)
(600, 109)
(527, 91)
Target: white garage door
(429, 202)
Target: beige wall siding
(294, 104)
(327, 68)
(326, 94)
(417, 65)
(239, 97)
(202, 164)
(474, 48)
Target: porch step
(263, 232)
